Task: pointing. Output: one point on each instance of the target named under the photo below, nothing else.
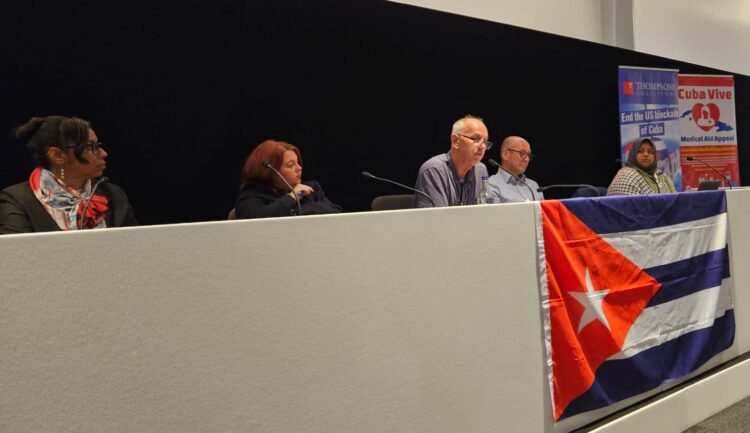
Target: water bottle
(484, 194)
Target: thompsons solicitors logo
(648, 88)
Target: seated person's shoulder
(482, 169)
(435, 161)
(106, 186)
(17, 188)
(111, 190)
(16, 192)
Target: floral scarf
(65, 204)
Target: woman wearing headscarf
(639, 175)
(63, 192)
(271, 185)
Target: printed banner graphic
(648, 108)
(708, 130)
(634, 293)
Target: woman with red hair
(271, 185)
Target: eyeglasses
(478, 141)
(93, 147)
(522, 154)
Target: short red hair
(272, 151)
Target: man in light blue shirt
(510, 184)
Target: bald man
(455, 178)
(510, 184)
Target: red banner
(708, 130)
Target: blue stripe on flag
(629, 213)
(619, 379)
(688, 276)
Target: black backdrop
(180, 92)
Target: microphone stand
(88, 201)
(371, 176)
(729, 182)
(268, 165)
(518, 179)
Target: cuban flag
(634, 291)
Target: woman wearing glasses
(271, 185)
(63, 192)
(639, 175)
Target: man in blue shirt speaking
(455, 178)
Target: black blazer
(21, 212)
(261, 201)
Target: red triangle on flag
(595, 294)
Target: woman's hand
(301, 190)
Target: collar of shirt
(464, 187)
(469, 174)
(507, 178)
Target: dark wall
(180, 92)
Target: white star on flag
(591, 300)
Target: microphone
(100, 181)
(569, 185)
(518, 179)
(371, 176)
(729, 182)
(268, 165)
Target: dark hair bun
(28, 129)
(41, 133)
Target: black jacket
(261, 201)
(21, 212)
